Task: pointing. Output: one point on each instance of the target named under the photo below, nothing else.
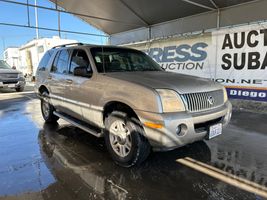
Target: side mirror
(82, 71)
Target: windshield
(110, 59)
(4, 65)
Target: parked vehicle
(121, 94)
(11, 78)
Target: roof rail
(65, 45)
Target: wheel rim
(120, 138)
(45, 107)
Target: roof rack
(65, 45)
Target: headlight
(171, 101)
(225, 96)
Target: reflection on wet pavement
(21, 165)
(41, 161)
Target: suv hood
(8, 71)
(169, 80)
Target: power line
(52, 29)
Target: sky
(17, 14)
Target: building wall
(11, 56)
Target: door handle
(69, 81)
(49, 77)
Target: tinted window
(79, 59)
(60, 64)
(110, 59)
(45, 60)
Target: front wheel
(48, 110)
(124, 140)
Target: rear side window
(45, 60)
(60, 64)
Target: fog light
(181, 130)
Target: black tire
(48, 114)
(140, 147)
(19, 89)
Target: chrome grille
(203, 101)
(8, 76)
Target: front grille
(203, 101)
(10, 82)
(8, 76)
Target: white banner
(187, 56)
(242, 61)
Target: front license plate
(11, 85)
(215, 130)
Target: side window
(79, 58)
(45, 60)
(60, 64)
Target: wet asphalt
(42, 161)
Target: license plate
(215, 130)
(11, 85)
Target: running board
(82, 125)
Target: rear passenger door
(56, 78)
(76, 97)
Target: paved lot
(39, 161)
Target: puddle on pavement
(21, 165)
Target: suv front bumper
(182, 128)
(13, 83)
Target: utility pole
(36, 19)
(4, 44)
(58, 20)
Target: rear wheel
(47, 109)
(19, 89)
(124, 140)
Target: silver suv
(11, 78)
(121, 94)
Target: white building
(31, 53)
(11, 56)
